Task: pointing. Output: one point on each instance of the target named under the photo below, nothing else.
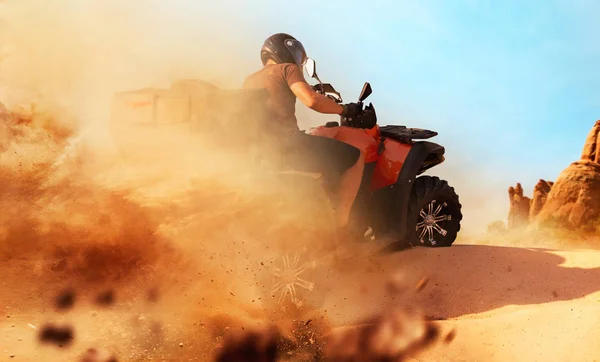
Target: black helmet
(283, 48)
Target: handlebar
(368, 117)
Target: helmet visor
(297, 50)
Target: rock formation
(574, 200)
(518, 216)
(540, 195)
(591, 150)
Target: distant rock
(574, 201)
(518, 215)
(540, 195)
(591, 149)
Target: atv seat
(404, 134)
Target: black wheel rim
(432, 222)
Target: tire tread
(425, 189)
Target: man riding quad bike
(370, 171)
(340, 153)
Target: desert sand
(504, 304)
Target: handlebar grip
(367, 119)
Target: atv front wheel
(434, 213)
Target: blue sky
(513, 87)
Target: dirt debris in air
(153, 295)
(450, 336)
(105, 298)
(104, 236)
(395, 336)
(61, 336)
(98, 355)
(65, 300)
(422, 284)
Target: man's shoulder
(283, 68)
(252, 78)
(290, 67)
(286, 72)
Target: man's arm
(314, 100)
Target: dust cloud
(165, 251)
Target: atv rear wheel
(293, 271)
(434, 213)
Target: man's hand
(313, 100)
(351, 109)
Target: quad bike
(394, 200)
(418, 211)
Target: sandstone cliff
(518, 216)
(540, 195)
